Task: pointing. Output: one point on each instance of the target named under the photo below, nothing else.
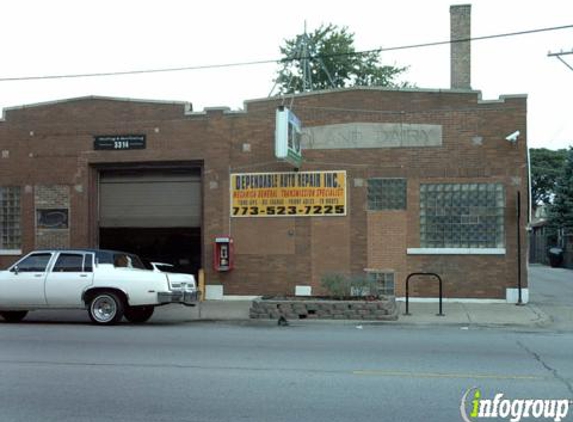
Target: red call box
(223, 253)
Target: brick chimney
(460, 52)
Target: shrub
(341, 286)
(337, 285)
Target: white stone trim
(213, 292)
(187, 106)
(450, 300)
(512, 295)
(239, 298)
(455, 251)
(302, 290)
(10, 252)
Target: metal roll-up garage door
(150, 199)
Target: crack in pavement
(470, 322)
(553, 371)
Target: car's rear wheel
(13, 316)
(138, 314)
(106, 308)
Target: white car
(109, 284)
(161, 267)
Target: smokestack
(460, 52)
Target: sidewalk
(455, 313)
(475, 314)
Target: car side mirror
(16, 270)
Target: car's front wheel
(106, 308)
(138, 314)
(13, 316)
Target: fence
(543, 238)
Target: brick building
(428, 182)
(431, 185)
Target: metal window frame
(10, 220)
(377, 202)
(462, 215)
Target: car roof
(103, 255)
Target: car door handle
(38, 275)
(83, 275)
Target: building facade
(427, 179)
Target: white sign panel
(371, 135)
(288, 134)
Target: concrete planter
(382, 309)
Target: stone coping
(382, 309)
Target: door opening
(180, 247)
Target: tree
(332, 61)
(561, 212)
(546, 167)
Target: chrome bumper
(184, 297)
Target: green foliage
(546, 168)
(340, 286)
(332, 48)
(337, 285)
(561, 213)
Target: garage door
(150, 199)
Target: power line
(282, 60)
(484, 37)
(137, 72)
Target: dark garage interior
(180, 247)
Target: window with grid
(386, 194)
(384, 282)
(10, 233)
(467, 215)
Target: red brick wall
(53, 145)
(387, 234)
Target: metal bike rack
(408, 290)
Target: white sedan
(109, 284)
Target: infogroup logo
(473, 407)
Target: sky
(61, 37)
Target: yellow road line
(375, 373)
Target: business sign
(119, 142)
(288, 134)
(372, 135)
(292, 194)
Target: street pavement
(210, 363)
(552, 293)
(227, 371)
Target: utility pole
(519, 287)
(304, 57)
(562, 53)
(306, 52)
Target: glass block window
(384, 282)
(386, 194)
(462, 215)
(10, 232)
